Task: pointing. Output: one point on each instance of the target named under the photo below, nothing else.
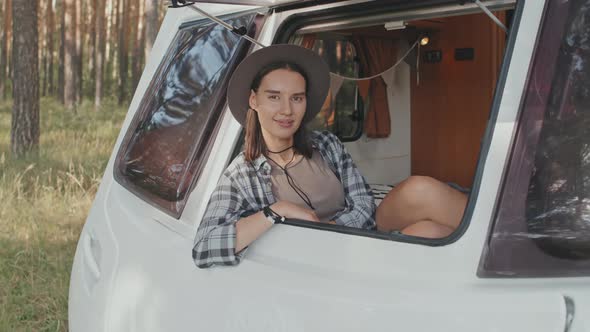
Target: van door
(299, 278)
(133, 250)
(296, 278)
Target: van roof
(303, 3)
(266, 3)
(278, 3)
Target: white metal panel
(103, 248)
(296, 279)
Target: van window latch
(180, 3)
(487, 12)
(240, 31)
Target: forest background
(68, 69)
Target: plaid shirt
(245, 188)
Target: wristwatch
(272, 216)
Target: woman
(284, 172)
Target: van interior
(426, 109)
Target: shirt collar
(259, 162)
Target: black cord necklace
(280, 151)
(291, 181)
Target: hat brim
(315, 68)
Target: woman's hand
(250, 228)
(294, 211)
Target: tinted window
(542, 226)
(343, 115)
(167, 143)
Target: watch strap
(272, 216)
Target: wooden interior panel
(451, 104)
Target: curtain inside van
(376, 55)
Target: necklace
(279, 151)
(292, 183)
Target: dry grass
(44, 200)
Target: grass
(44, 200)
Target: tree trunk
(110, 21)
(151, 25)
(50, 45)
(24, 135)
(123, 48)
(43, 8)
(69, 55)
(138, 47)
(92, 13)
(161, 14)
(62, 43)
(2, 47)
(113, 64)
(5, 47)
(99, 54)
(78, 54)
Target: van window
(542, 224)
(342, 112)
(168, 141)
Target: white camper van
(492, 97)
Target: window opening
(413, 58)
(424, 65)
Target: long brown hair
(254, 144)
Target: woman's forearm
(250, 228)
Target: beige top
(315, 178)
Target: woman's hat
(317, 71)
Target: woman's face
(280, 103)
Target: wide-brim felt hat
(315, 68)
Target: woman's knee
(415, 188)
(420, 182)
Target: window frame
(199, 151)
(296, 21)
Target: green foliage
(44, 202)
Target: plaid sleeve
(360, 205)
(216, 236)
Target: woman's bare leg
(429, 229)
(420, 199)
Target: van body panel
(300, 279)
(104, 261)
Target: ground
(44, 200)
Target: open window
(426, 110)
